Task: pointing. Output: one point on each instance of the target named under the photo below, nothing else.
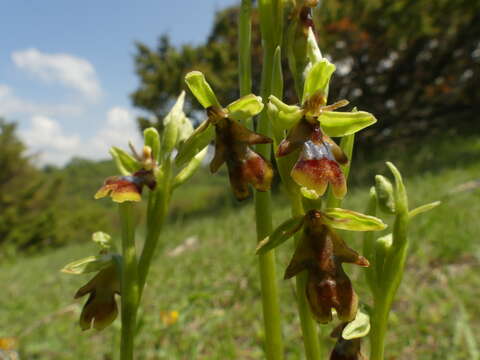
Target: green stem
(244, 47)
(157, 214)
(263, 206)
(378, 329)
(130, 291)
(311, 341)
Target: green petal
(280, 234)
(201, 89)
(423, 208)
(317, 78)
(88, 264)
(126, 163)
(200, 138)
(245, 107)
(337, 124)
(352, 220)
(358, 328)
(152, 139)
(188, 171)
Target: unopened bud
(385, 195)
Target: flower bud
(385, 195)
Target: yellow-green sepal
(245, 107)
(317, 78)
(351, 220)
(200, 88)
(126, 164)
(336, 124)
(88, 264)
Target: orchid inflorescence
(308, 160)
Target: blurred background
(77, 78)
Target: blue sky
(66, 67)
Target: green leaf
(152, 139)
(102, 239)
(336, 123)
(200, 138)
(423, 208)
(358, 328)
(201, 89)
(280, 234)
(317, 78)
(88, 264)
(188, 171)
(126, 163)
(351, 220)
(245, 107)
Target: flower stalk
(129, 283)
(271, 25)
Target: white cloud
(119, 128)
(46, 137)
(68, 70)
(10, 104)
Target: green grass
(214, 283)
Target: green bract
(187, 172)
(280, 234)
(357, 328)
(172, 123)
(337, 124)
(313, 51)
(201, 89)
(245, 107)
(423, 208)
(317, 78)
(152, 139)
(88, 264)
(199, 139)
(352, 220)
(126, 163)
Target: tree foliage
(413, 63)
(27, 199)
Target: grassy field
(206, 271)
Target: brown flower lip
(100, 310)
(245, 166)
(319, 159)
(321, 252)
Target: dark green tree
(413, 63)
(27, 198)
